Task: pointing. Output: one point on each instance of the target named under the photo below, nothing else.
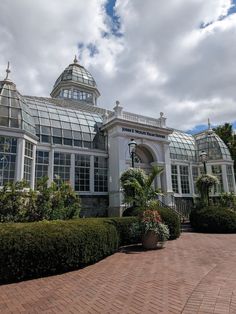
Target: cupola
(76, 83)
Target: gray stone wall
(94, 206)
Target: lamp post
(203, 158)
(132, 147)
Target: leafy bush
(57, 201)
(150, 220)
(36, 249)
(228, 200)
(169, 217)
(213, 219)
(123, 227)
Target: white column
(233, 179)
(167, 172)
(20, 159)
(50, 166)
(224, 178)
(91, 174)
(191, 179)
(179, 180)
(32, 179)
(72, 170)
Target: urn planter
(150, 241)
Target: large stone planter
(150, 241)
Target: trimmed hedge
(172, 220)
(30, 250)
(123, 227)
(213, 219)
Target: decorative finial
(117, 103)
(75, 60)
(7, 70)
(161, 114)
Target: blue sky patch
(115, 19)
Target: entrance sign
(134, 131)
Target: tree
(226, 133)
(137, 186)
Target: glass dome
(182, 146)
(76, 73)
(64, 126)
(213, 145)
(76, 83)
(14, 111)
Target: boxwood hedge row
(213, 219)
(31, 250)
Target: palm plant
(138, 186)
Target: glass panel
(100, 174)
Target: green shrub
(172, 220)
(169, 217)
(57, 201)
(30, 250)
(123, 227)
(213, 219)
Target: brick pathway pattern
(194, 274)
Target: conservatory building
(68, 137)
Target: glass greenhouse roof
(76, 73)
(213, 145)
(14, 111)
(66, 126)
(182, 146)
(185, 146)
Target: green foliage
(123, 227)
(13, 197)
(150, 220)
(228, 200)
(213, 219)
(137, 186)
(57, 201)
(225, 132)
(168, 216)
(30, 250)
(204, 183)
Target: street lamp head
(132, 146)
(203, 156)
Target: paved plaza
(194, 274)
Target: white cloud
(164, 61)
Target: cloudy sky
(175, 56)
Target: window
(184, 179)
(8, 148)
(216, 171)
(41, 167)
(100, 174)
(62, 166)
(230, 178)
(82, 173)
(28, 161)
(195, 176)
(174, 178)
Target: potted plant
(153, 232)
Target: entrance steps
(186, 227)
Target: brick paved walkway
(194, 274)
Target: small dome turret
(14, 111)
(76, 83)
